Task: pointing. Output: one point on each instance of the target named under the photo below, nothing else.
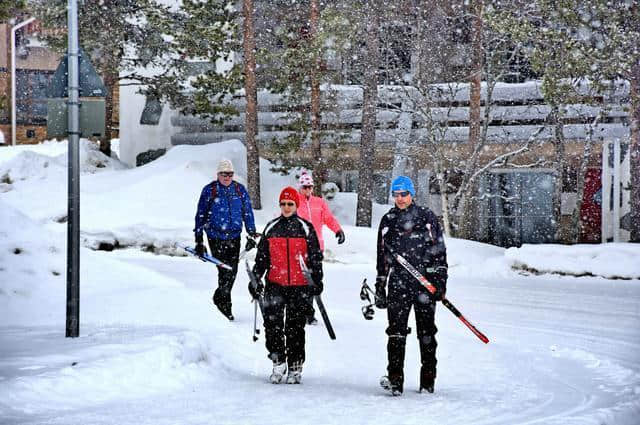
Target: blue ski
(206, 257)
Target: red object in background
(591, 211)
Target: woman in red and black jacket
(287, 294)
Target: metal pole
(73, 206)
(605, 226)
(616, 190)
(14, 129)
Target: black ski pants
(227, 251)
(285, 310)
(403, 294)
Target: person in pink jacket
(315, 209)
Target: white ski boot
(279, 369)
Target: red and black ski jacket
(285, 240)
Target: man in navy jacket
(223, 206)
(413, 232)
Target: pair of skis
(211, 259)
(310, 282)
(206, 257)
(424, 282)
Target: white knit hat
(305, 179)
(225, 166)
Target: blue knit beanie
(402, 183)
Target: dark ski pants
(285, 310)
(402, 296)
(227, 251)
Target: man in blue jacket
(223, 206)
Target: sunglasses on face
(402, 194)
(226, 174)
(287, 204)
(307, 187)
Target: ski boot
(427, 381)
(278, 372)
(392, 383)
(295, 374)
(223, 307)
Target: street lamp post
(13, 77)
(73, 206)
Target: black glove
(257, 291)
(340, 236)
(317, 288)
(439, 294)
(381, 293)
(251, 243)
(200, 249)
(440, 283)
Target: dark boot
(427, 379)
(394, 383)
(223, 303)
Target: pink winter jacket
(316, 210)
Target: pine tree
(251, 94)
(292, 62)
(10, 8)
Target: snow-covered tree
(293, 62)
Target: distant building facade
(35, 66)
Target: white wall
(135, 137)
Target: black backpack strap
(214, 195)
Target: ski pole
(256, 331)
(423, 280)
(323, 311)
(367, 310)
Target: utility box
(92, 104)
(92, 117)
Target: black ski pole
(257, 301)
(256, 331)
(323, 311)
(423, 280)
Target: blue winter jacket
(222, 217)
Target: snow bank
(612, 260)
(33, 282)
(136, 367)
(32, 268)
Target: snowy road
(152, 350)
(563, 350)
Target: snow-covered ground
(564, 322)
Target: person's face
(402, 198)
(225, 177)
(306, 190)
(287, 207)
